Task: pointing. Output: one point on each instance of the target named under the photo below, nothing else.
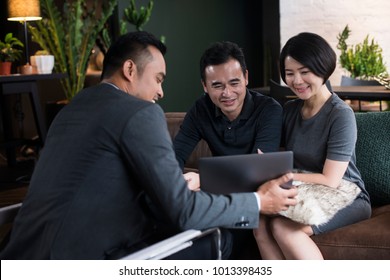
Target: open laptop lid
(242, 173)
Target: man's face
(226, 86)
(147, 85)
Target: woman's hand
(192, 180)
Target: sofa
(368, 239)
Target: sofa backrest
(174, 121)
(373, 154)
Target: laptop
(242, 173)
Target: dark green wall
(191, 26)
(189, 30)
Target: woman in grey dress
(320, 129)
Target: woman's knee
(277, 226)
(261, 233)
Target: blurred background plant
(364, 60)
(131, 15)
(70, 36)
(137, 18)
(384, 80)
(9, 50)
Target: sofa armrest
(368, 239)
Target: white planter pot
(43, 63)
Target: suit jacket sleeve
(148, 151)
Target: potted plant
(363, 61)
(42, 62)
(9, 52)
(70, 36)
(132, 15)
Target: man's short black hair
(219, 53)
(132, 45)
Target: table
(19, 84)
(363, 93)
(368, 93)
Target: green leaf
(70, 36)
(9, 48)
(364, 60)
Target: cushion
(317, 203)
(373, 154)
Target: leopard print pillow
(317, 203)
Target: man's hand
(274, 198)
(192, 180)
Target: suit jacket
(105, 152)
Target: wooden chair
(280, 93)
(160, 250)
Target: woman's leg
(359, 210)
(269, 249)
(294, 240)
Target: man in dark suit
(108, 165)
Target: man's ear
(128, 69)
(246, 77)
(204, 86)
